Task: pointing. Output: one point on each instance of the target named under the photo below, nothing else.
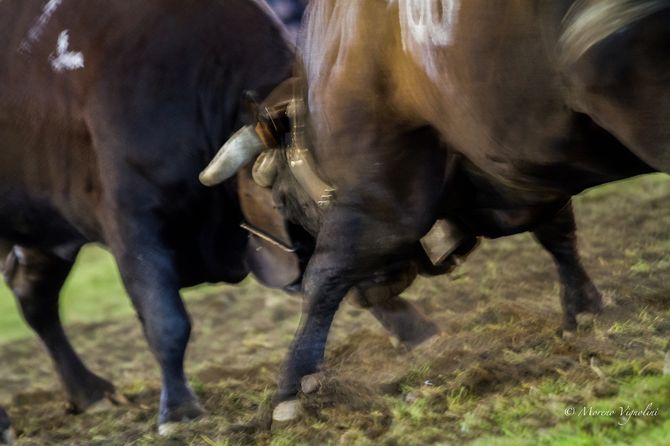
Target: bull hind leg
(36, 277)
(407, 326)
(578, 293)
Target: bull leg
(36, 278)
(578, 293)
(406, 324)
(338, 264)
(324, 289)
(149, 275)
(7, 434)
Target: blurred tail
(588, 22)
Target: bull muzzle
(239, 150)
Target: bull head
(264, 139)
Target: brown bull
(488, 114)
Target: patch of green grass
(594, 422)
(93, 293)
(641, 267)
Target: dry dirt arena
(497, 374)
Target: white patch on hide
(37, 29)
(63, 58)
(425, 26)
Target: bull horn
(235, 153)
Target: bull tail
(589, 22)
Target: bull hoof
(90, 391)
(169, 421)
(414, 344)
(108, 403)
(423, 331)
(286, 412)
(311, 383)
(427, 346)
(168, 429)
(590, 301)
(8, 436)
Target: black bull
(488, 114)
(108, 111)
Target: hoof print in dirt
(286, 412)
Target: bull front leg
(341, 261)
(149, 274)
(578, 293)
(324, 289)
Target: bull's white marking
(37, 29)
(63, 58)
(426, 25)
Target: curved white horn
(235, 153)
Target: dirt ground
(497, 374)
